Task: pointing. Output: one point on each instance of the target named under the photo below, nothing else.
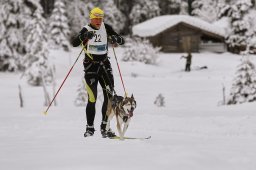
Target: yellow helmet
(96, 13)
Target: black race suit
(97, 70)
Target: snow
(159, 24)
(192, 132)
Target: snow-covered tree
(237, 11)
(140, 50)
(82, 96)
(36, 60)
(183, 8)
(251, 33)
(206, 9)
(27, 11)
(125, 7)
(159, 101)
(244, 84)
(170, 6)
(48, 6)
(11, 41)
(144, 10)
(113, 16)
(58, 27)
(96, 3)
(78, 14)
(175, 7)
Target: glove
(115, 39)
(87, 35)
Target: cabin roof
(159, 24)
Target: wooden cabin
(175, 33)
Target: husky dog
(123, 108)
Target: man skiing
(94, 39)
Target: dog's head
(128, 105)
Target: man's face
(96, 22)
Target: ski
(140, 138)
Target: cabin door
(186, 44)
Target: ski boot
(89, 131)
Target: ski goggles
(96, 15)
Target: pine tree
(11, 41)
(244, 84)
(36, 60)
(183, 8)
(170, 6)
(251, 33)
(48, 6)
(113, 16)
(206, 9)
(140, 50)
(59, 29)
(82, 96)
(159, 101)
(125, 7)
(190, 2)
(78, 14)
(144, 10)
(237, 38)
(96, 3)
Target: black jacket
(77, 40)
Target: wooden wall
(180, 38)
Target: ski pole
(45, 112)
(119, 71)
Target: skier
(94, 38)
(188, 61)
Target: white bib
(98, 44)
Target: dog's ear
(132, 96)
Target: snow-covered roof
(159, 24)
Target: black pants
(187, 68)
(98, 72)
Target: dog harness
(117, 103)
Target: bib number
(97, 38)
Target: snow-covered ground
(192, 132)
